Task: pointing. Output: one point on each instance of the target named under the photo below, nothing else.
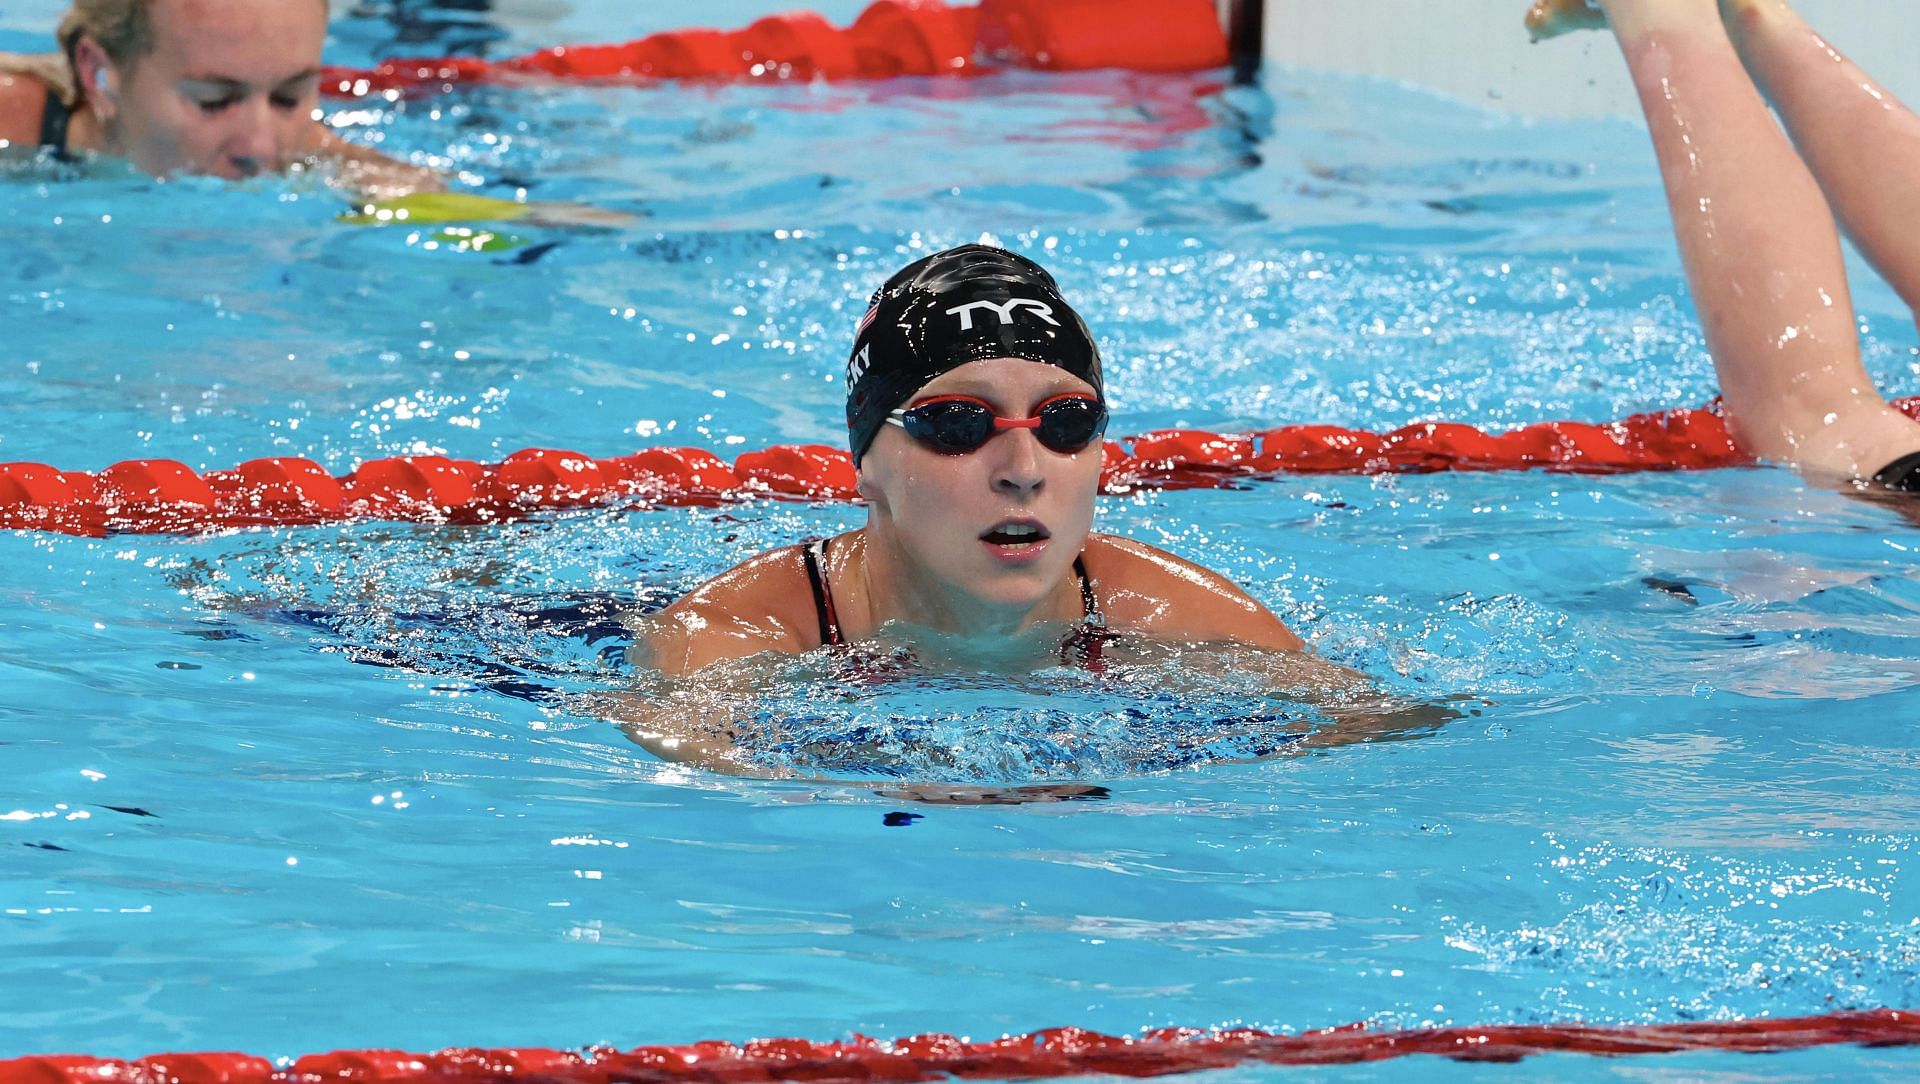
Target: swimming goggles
(958, 424)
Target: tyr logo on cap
(1005, 309)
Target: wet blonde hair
(122, 27)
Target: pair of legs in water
(1754, 208)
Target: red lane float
(162, 495)
(1075, 35)
(1056, 1052)
(890, 38)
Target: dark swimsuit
(54, 119)
(1083, 647)
(1902, 475)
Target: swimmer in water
(1754, 216)
(975, 411)
(223, 88)
(226, 88)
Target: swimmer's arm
(369, 177)
(1176, 601)
(1375, 715)
(682, 730)
(22, 98)
(1353, 708)
(685, 640)
(1148, 590)
(677, 712)
(750, 608)
(1197, 604)
(698, 727)
(684, 709)
(699, 731)
(364, 172)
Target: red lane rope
(890, 38)
(152, 496)
(1056, 1052)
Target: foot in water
(1552, 18)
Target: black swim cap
(965, 304)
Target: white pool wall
(1477, 50)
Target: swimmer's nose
(1017, 466)
(255, 146)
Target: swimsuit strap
(1902, 474)
(1089, 606)
(54, 118)
(1087, 644)
(815, 555)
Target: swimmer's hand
(943, 794)
(1355, 708)
(576, 216)
(1375, 716)
(376, 179)
(438, 208)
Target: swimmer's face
(945, 510)
(228, 87)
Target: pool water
(295, 790)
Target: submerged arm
(363, 172)
(370, 177)
(684, 707)
(696, 692)
(1356, 709)
(699, 723)
(1178, 605)
(1374, 715)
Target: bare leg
(1862, 145)
(1760, 248)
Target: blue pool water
(296, 790)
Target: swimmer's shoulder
(23, 98)
(762, 604)
(1145, 589)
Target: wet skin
(1753, 213)
(932, 544)
(228, 89)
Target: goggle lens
(1065, 424)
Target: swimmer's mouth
(1016, 533)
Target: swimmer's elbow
(662, 648)
(643, 657)
(1256, 626)
(1282, 638)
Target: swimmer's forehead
(1005, 379)
(235, 43)
(227, 82)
